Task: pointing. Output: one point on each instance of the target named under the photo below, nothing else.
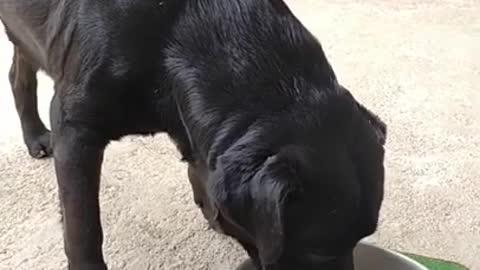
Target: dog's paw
(39, 146)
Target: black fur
(281, 156)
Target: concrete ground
(416, 63)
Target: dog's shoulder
(241, 55)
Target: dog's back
(78, 36)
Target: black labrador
(282, 157)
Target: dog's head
(303, 205)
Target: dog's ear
(268, 195)
(379, 126)
(253, 203)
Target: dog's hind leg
(23, 81)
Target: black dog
(288, 163)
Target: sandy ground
(416, 63)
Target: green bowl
(370, 257)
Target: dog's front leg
(78, 164)
(78, 154)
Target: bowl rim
(394, 253)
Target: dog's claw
(39, 147)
